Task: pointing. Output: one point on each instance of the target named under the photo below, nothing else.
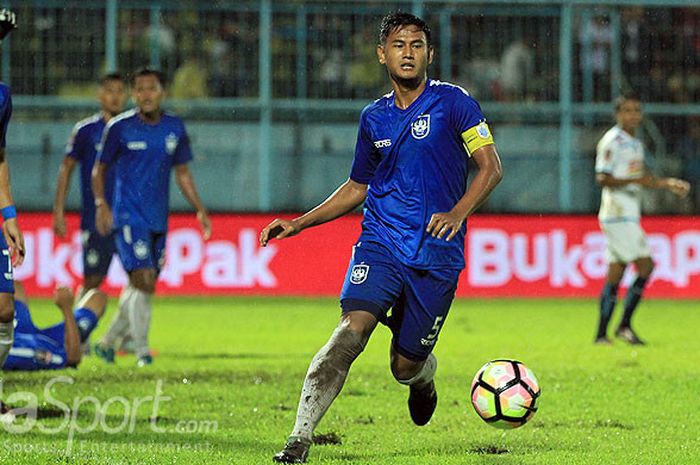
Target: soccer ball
(504, 393)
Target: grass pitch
(230, 371)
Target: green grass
(240, 363)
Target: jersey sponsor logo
(137, 145)
(171, 143)
(420, 128)
(382, 143)
(359, 273)
(141, 249)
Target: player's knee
(7, 308)
(92, 281)
(143, 281)
(646, 267)
(344, 346)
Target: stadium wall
(318, 156)
(507, 256)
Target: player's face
(148, 93)
(629, 116)
(406, 54)
(112, 96)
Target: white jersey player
(621, 173)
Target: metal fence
(545, 72)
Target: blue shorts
(140, 248)
(419, 299)
(98, 251)
(7, 283)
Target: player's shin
(119, 326)
(608, 299)
(325, 379)
(6, 337)
(634, 295)
(424, 376)
(139, 307)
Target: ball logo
(421, 127)
(359, 273)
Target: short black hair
(626, 97)
(145, 71)
(399, 19)
(105, 78)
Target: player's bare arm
(489, 175)
(185, 181)
(677, 186)
(10, 228)
(64, 175)
(63, 298)
(346, 198)
(103, 212)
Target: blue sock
(634, 295)
(608, 299)
(87, 322)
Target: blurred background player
(11, 241)
(82, 147)
(143, 144)
(411, 150)
(57, 346)
(621, 173)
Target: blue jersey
(143, 155)
(5, 111)
(83, 146)
(415, 162)
(32, 348)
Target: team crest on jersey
(359, 273)
(140, 249)
(420, 128)
(92, 258)
(170, 143)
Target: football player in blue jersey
(57, 346)
(143, 145)
(11, 240)
(410, 170)
(82, 149)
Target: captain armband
(476, 137)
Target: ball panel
(484, 402)
(515, 401)
(497, 374)
(529, 378)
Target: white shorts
(626, 242)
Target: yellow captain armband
(476, 137)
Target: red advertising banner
(515, 256)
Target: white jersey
(621, 156)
